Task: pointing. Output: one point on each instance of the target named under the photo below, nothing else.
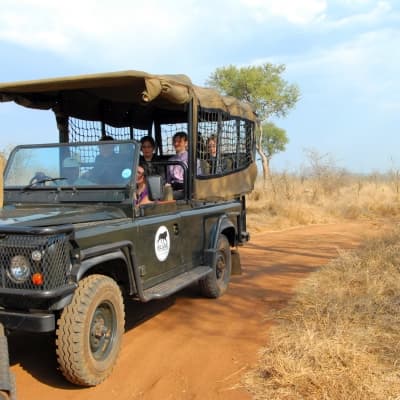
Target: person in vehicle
(105, 164)
(148, 147)
(175, 173)
(142, 191)
(214, 165)
(71, 173)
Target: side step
(165, 289)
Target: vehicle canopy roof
(137, 100)
(91, 96)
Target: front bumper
(28, 322)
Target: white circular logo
(162, 243)
(126, 173)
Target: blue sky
(343, 54)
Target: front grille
(53, 266)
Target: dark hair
(213, 138)
(182, 135)
(106, 137)
(148, 139)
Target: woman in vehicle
(142, 192)
(214, 165)
(148, 157)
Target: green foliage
(274, 139)
(262, 86)
(270, 95)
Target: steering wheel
(39, 179)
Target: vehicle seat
(155, 186)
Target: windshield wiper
(42, 181)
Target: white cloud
(379, 11)
(294, 11)
(154, 33)
(65, 27)
(123, 27)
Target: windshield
(94, 164)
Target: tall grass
(290, 200)
(339, 338)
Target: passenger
(71, 173)
(148, 147)
(105, 164)
(175, 173)
(142, 191)
(215, 165)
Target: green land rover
(75, 246)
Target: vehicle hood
(51, 216)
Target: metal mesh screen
(55, 250)
(91, 131)
(224, 144)
(167, 133)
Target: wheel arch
(115, 262)
(223, 226)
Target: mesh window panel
(54, 265)
(167, 133)
(91, 131)
(224, 144)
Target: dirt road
(187, 347)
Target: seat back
(155, 185)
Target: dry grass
(344, 344)
(288, 200)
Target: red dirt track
(187, 347)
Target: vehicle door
(158, 247)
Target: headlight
(36, 255)
(19, 269)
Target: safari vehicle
(74, 248)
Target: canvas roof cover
(86, 96)
(134, 98)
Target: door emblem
(162, 243)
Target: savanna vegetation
(339, 337)
(322, 192)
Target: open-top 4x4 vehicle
(73, 244)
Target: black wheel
(90, 331)
(215, 284)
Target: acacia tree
(270, 95)
(274, 140)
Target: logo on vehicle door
(162, 243)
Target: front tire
(216, 283)
(90, 331)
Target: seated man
(103, 171)
(71, 173)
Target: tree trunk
(264, 158)
(264, 163)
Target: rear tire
(216, 283)
(90, 331)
